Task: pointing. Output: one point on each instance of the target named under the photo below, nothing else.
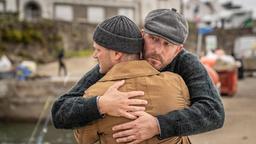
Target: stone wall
(30, 41)
(76, 36)
(27, 100)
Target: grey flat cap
(168, 24)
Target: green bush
(12, 35)
(35, 35)
(55, 38)
(26, 39)
(22, 36)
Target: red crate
(228, 80)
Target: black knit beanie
(119, 33)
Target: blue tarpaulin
(205, 30)
(22, 72)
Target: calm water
(19, 133)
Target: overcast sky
(246, 4)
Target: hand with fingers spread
(136, 131)
(116, 103)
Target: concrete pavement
(239, 127)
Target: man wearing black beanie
(165, 32)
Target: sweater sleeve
(71, 110)
(206, 111)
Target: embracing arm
(71, 110)
(206, 111)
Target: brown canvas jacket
(164, 92)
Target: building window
(32, 11)
(64, 12)
(1, 6)
(95, 14)
(129, 12)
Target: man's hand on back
(116, 103)
(134, 132)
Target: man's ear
(142, 32)
(179, 48)
(117, 55)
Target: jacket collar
(130, 69)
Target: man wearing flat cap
(165, 32)
(117, 51)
